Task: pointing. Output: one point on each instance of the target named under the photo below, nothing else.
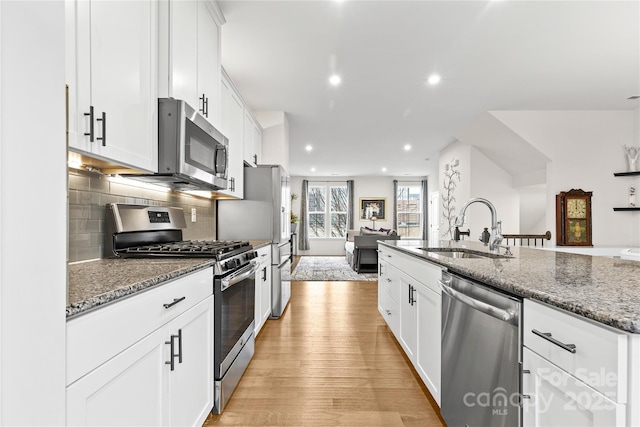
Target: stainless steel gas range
(149, 232)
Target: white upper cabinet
(232, 125)
(190, 55)
(112, 77)
(252, 140)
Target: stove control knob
(231, 264)
(252, 255)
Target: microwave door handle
(221, 161)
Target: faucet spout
(496, 226)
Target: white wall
(33, 175)
(533, 210)
(364, 187)
(479, 177)
(493, 183)
(462, 192)
(275, 137)
(586, 148)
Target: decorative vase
(294, 227)
(632, 157)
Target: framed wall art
(373, 207)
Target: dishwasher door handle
(508, 316)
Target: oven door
(234, 298)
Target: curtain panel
(303, 236)
(350, 205)
(395, 204)
(425, 209)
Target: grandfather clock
(573, 218)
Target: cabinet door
(208, 64)
(231, 119)
(265, 293)
(183, 52)
(252, 140)
(429, 339)
(389, 295)
(556, 398)
(191, 381)
(124, 81)
(408, 316)
(127, 390)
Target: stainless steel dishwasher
(481, 354)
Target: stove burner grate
(192, 248)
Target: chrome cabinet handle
(571, 348)
(233, 184)
(103, 119)
(175, 301)
(91, 134)
(205, 105)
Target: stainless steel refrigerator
(264, 214)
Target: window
(409, 200)
(327, 216)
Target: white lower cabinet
(408, 316)
(409, 300)
(575, 372)
(127, 390)
(429, 320)
(263, 288)
(556, 398)
(191, 381)
(162, 378)
(388, 294)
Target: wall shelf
(626, 173)
(627, 209)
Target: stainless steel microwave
(192, 153)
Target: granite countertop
(603, 289)
(259, 243)
(93, 284)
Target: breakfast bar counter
(603, 289)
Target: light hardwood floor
(330, 360)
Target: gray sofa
(361, 248)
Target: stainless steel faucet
(495, 237)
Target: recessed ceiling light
(434, 79)
(308, 148)
(407, 147)
(384, 169)
(335, 80)
(313, 169)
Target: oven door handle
(240, 275)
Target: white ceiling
(492, 55)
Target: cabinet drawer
(97, 336)
(600, 357)
(422, 270)
(264, 253)
(389, 310)
(556, 398)
(389, 278)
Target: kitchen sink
(461, 253)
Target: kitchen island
(603, 289)
(578, 338)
